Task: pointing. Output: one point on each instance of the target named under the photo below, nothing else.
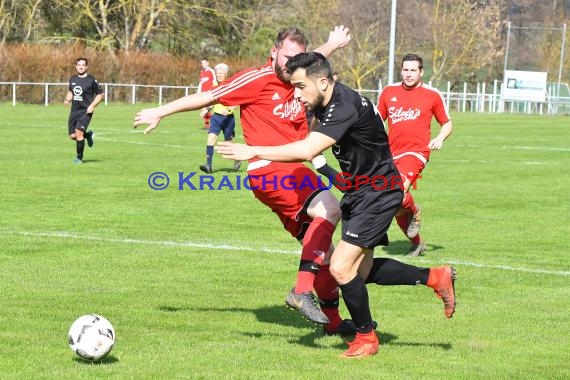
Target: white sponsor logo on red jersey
(400, 114)
(288, 109)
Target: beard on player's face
(314, 104)
(282, 73)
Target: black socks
(355, 296)
(80, 144)
(392, 272)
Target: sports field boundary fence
(481, 97)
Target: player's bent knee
(212, 140)
(332, 207)
(340, 271)
(336, 272)
(334, 214)
(325, 205)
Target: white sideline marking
(100, 136)
(141, 142)
(514, 147)
(227, 247)
(493, 162)
(506, 267)
(167, 243)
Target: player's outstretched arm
(338, 38)
(298, 151)
(235, 151)
(320, 163)
(152, 116)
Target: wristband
(319, 161)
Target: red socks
(408, 208)
(403, 219)
(316, 243)
(409, 204)
(327, 291)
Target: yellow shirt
(220, 108)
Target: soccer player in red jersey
(207, 82)
(348, 123)
(409, 107)
(270, 115)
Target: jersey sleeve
(336, 119)
(242, 88)
(97, 87)
(381, 106)
(440, 110)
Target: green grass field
(194, 282)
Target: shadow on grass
(90, 161)
(109, 359)
(229, 170)
(442, 346)
(280, 315)
(401, 248)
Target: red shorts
(409, 167)
(287, 189)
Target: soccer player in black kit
(84, 94)
(349, 123)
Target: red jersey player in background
(270, 115)
(409, 107)
(207, 82)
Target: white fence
(482, 99)
(53, 93)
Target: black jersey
(361, 146)
(84, 91)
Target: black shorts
(79, 120)
(367, 214)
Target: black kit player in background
(348, 123)
(84, 94)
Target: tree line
(460, 40)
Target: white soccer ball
(91, 337)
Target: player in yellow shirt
(223, 119)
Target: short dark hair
(312, 62)
(413, 57)
(82, 59)
(291, 33)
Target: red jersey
(269, 113)
(409, 113)
(207, 80)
